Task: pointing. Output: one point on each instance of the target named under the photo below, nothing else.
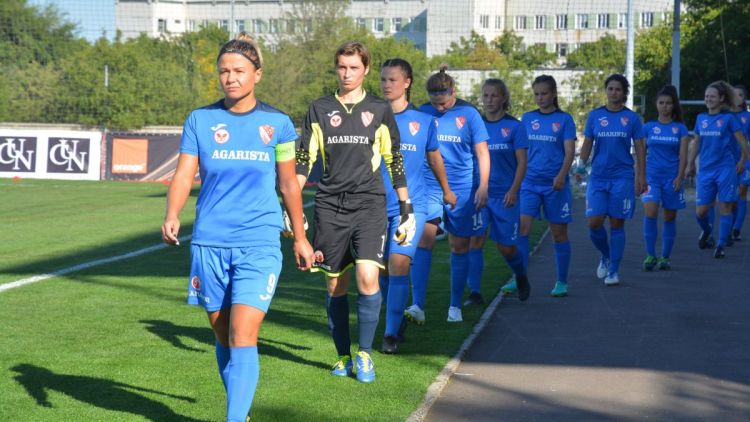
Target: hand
(480, 198)
(450, 198)
(558, 183)
(288, 232)
(169, 231)
(640, 186)
(510, 199)
(303, 254)
(740, 168)
(690, 170)
(407, 225)
(677, 183)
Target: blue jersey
(506, 136)
(547, 134)
(663, 149)
(458, 130)
(613, 134)
(237, 205)
(417, 131)
(744, 118)
(717, 139)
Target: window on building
(540, 22)
(561, 22)
(582, 21)
(520, 22)
(223, 24)
(239, 24)
(291, 26)
(622, 20)
(396, 24)
(361, 23)
(204, 23)
(161, 26)
(667, 17)
(273, 26)
(191, 25)
(257, 27)
(602, 20)
(647, 19)
(498, 22)
(484, 21)
(561, 49)
(378, 25)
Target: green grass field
(117, 342)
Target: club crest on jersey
(719, 123)
(535, 124)
(603, 121)
(221, 136)
(624, 121)
(704, 124)
(335, 120)
(505, 131)
(266, 133)
(657, 131)
(460, 122)
(367, 118)
(675, 130)
(743, 119)
(555, 127)
(195, 282)
(414, 128)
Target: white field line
(90, 264)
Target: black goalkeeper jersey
(352, 140)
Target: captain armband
(285, 151)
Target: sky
(92, 17)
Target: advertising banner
(141, 156)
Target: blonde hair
(727, 91)
(244, 45)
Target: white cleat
(612, 280)
(414, 314)
(454, 314)
(603, 268)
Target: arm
(570, 152)
(177, 195)
(307, 147)
(640, 166)
(745, 151)
(588, 143)
(390, 150)
(511, 196)
(693, 149)
(291, 195)
(684, 145)
(483, 160)
(435, 161)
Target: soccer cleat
(390, 345)
(612, 279)
(705, 240)
(364, 369)
(663, 264)
(524, 288)
(414, 314)
(510, 288)
(475, 298)
(601, 270)
(719, 252)
(342, 368)
(736, 235)
(649, 263)
(560, 289)
(730, 241)
(454, 314)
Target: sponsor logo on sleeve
(221, 136)
(17, 154)
(68, 155)
(460, 122)
(414, 128)
(266, 133)
(367, 118)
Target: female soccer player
(353, 131)
(743, 115)
(240, 145)
(552, 139)
(417, 130)
(717, 132)
(462, 138)
(508, 147)
(610, 132)
(667, 143)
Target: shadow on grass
(103, 393)
(173, 334)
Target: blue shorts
(745, 176)
(392, 247)
(720, 182)
(611, 198)
(221, 277)
(503, 221)
(662, 191)
(556, 203)
(460, 221)
(435, 205)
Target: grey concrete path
(671, 345)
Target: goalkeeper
(354, 132)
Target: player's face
(615, 93)
(665, 106)
(740, 98)
(544, 96)
(237, 76)
(351, 72)
(492, 99)
(712, 98)
(393, 83)
(443, 103)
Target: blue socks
(459, 272)
(515, 262)
(476, 267)
(562, 260)
(383, 282)
(368, 314)
(242, 378)
(669, 232)
(649, 234)
(703, 222)
(599, 238)
(398, 295)
(338, 322)
(725, 228)
(420, 273)
(523, 248)
(741, 212)
(222, 358)
(617, 243)
(711, 216)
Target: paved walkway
(672, 345)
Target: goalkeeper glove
(288, 232)
(407, 225)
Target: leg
(617, 244)
(515, 262)
(598, 235)
(420, 269)
(476, 266)
(741, 212)
(243, 368)
(459, 268)
(337, 304)
(219, 321)
(523, 237)
(651, 211)
(562, 257)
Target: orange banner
(129, 156)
